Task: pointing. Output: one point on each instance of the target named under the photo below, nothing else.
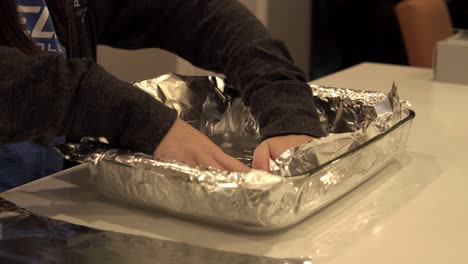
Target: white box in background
(451, 59)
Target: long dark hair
(11, 29)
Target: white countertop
(413, 211)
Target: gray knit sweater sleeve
(45, 96)
(222, 36)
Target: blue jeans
(23, 162)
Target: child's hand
(274, 147)
(186, 144)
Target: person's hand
(186, 144)
(274, 147)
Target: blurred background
(325, 36)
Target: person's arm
(45, 96)
(222, 36)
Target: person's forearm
(46, 96)
(223, 36)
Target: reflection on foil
(207, 103)
(30, 238)
(366, 130)
(351, 117)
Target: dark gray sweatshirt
(46, 95)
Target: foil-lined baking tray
(366, 130)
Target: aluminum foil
(212, 106)
(208, 103)
(29, 238)
(350, 118)
(366, 131)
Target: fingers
(208, 161)
(261, 158)
(229, 163)
(185, 144)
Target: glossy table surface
(413, 211)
